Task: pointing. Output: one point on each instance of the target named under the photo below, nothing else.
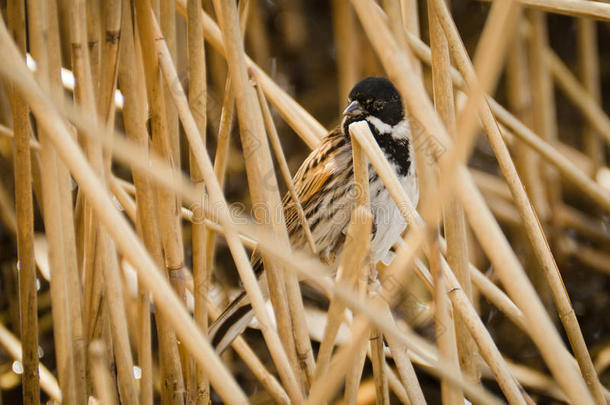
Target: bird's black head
(374, 96)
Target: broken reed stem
(26, 268)
(283, 286)
(102, 379)
(198, 386)
(454, 222)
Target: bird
(326, 190)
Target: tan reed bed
(182, 70)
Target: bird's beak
(354, 109)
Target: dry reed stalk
(410, 20)
(267, 380)
(112, 14)
(363, 199)
(566, 167)
(596, 259)
(173, 385)
(382, 393)
(47, 381)
(198, 388)
(135, 126)
(102, 379)
(454, 223)
(85, 96)
(166, 300)
(541, 329)
(578, 94)
(166, 140)
(166, 15)
(584, 224)
(359, 131)
(124, 199)
(26, 268)
(543, 109)
(222, 157)
(371, 308)
(445, 332)
(324, 387)
(4, 131)
(7, 212)
(353, 376)
(596, 10)
(520, 100)
(83, 93)
(481, 336)
(217, 200)
(54, 229)
(284, 290)
(307, 127)
(304, 271)
(535, 234)
(356, 248)
(348, 62)
(563, 164)
(93, 31)
(588, 61)
(284, 170)
(396, 386)
(405, 368)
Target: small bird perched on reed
(327, 191)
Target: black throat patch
(396, 150)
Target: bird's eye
(378, 104)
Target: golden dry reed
(118, 137)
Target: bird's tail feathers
(231, 323)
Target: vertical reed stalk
(28, 301)
(589, 72)
(264, 191)
(455, 226)
(242, 262)
(173, 383)
(198, 387)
